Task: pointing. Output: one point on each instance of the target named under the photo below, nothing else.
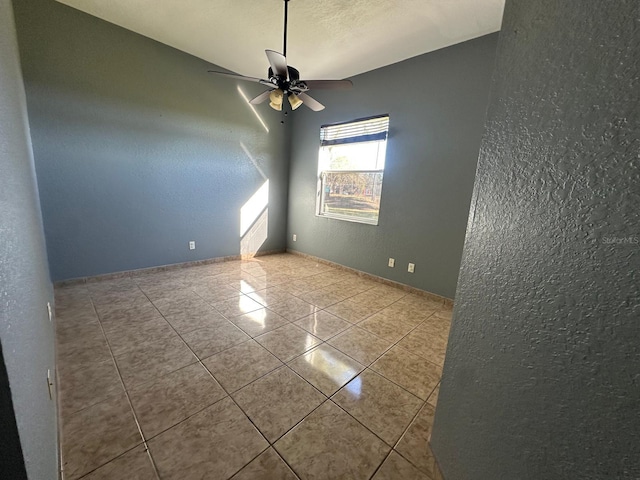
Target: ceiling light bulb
(276, 97)
(294, 101)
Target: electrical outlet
(295, 237)
(392, 262)
(192, 245)
(412, 267)
(49, 311)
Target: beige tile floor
(272, 368)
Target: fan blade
(278, 63)
(310, 102)
(260, 98)
(238, 77)
(327, 84)
(266, 83)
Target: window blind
(364, 130)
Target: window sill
(345, 218)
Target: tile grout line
(407, 429)
(126, 392)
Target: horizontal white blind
(364, 130)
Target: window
(350, 168)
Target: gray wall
(26, 335)
(437, 105)
(541, 375)
(138, 150)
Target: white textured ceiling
(326, 39)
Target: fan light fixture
(283, 79)
(276, 97)
(294, 101)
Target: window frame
(364, 138)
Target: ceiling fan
(284, 80)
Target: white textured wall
(25, 332)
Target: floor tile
(322, 298)
(288, 341)
(259, 321)
(210, 340)
(389, 328)
(76, 329)
(268, 466)
(433, 398)
(133, 465)
(216, 294)
(185, 323)
(326, 368)
(68, 323)
(374, 299)
(237, 306)
(414, 444)
(214, 443)
(84, 350)
(354, 286)
(127, 336)
(117, 312)
(420, 302)
(297, 287)
(196, 430)
(293, 309)
(98, 434)
(271, 296)
(323, 324)
(352, 311)
(169, 300)
(154, 360)
(429, 341)
(410, 371)
(168, 400)
(248, 285)
(190, 306)
(380, 405)
(277, 401)
(329, 444)
(444, 313)
(83, 386)
(360, 345)
(132, 296)
(405, 313)
(240, 365)
(395, 467)
(276, 278)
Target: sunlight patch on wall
(257, 234)
(253, 160)
(254, 221)
(255, 112)
(253, 208)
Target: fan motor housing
(294, 74)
